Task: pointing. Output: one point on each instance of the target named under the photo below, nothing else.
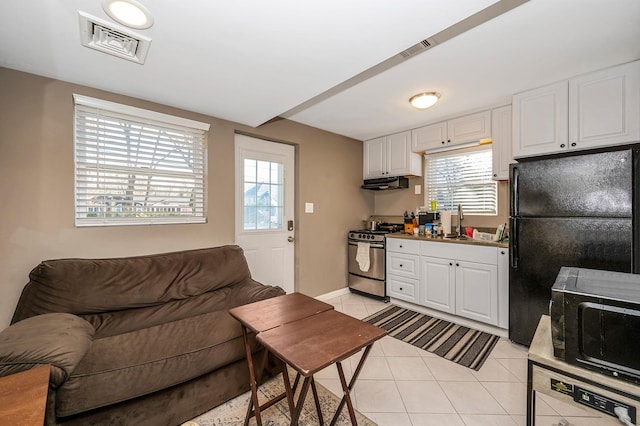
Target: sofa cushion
(60, 340)
(128, 365)
(84, 286)
(117, 322)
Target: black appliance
(385, 183)
(568, 211)
(428, 217)
(595, 321)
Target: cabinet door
(399, 154)
(437, 284)
(375, 158)
(429, 137)
(469, 128)
(540, 120)
(501, 146)
(604, 107)
(503, 288)
(477, 291)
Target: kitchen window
(462, 177)
(135, 166)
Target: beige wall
(36, 188)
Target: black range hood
(385, 183)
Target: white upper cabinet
(593, 110)
(460, 130)
(391, 156)
(501, 135)
(540, 120)
(605, 107)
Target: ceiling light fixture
(129, 13)
(424, 100)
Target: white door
(477, 291)
(265, 209)
(438, 284)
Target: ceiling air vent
(417, 48)
(113, 39)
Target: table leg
(347, 389)
(295, 416)
(317, 401)
(254, 386)
(287, 386)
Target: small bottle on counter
(434, 232)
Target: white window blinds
(462, 177)
(134, 166)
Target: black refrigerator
(573, 210)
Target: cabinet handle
(502, 252)
(400, 245)
(457, 264)
(448, 140)
(442, 142)
(450, 264)
(401, 265)
(561, 145)
(573, 144)
(400, 288)
(495, 175)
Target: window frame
(487, 180)
(197, 133)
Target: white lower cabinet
(467, 280)
(477, 291)
(438, 284)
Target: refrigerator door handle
(513, 239)
(515, 196)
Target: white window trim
(143, 116)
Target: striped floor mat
(463, 345)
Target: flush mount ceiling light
(129, 13)
(424, 100)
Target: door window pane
(263, 195)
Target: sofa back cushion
(84, 286)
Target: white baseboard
(453, 318)
(333, 294)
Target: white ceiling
(250, 61)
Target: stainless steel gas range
(366, 259)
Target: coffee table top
(313, 343)
(269, 313)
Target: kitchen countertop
(449, 240)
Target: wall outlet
(417, 189)
(308, 207)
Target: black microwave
(595, 321)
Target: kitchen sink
(456, 237)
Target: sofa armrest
(58, 339)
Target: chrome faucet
(460, 217)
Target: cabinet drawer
(402, 288)
(401, 245)
(406, 265)
(466, 252)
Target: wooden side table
(313, 343)
(23, 397)
(265, 315)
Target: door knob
(290, 239)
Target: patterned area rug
(233, 412)
(463, 345)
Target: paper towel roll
(445, 219)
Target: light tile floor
(403, 385)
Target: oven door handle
(371, 245)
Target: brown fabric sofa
(136, 340)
